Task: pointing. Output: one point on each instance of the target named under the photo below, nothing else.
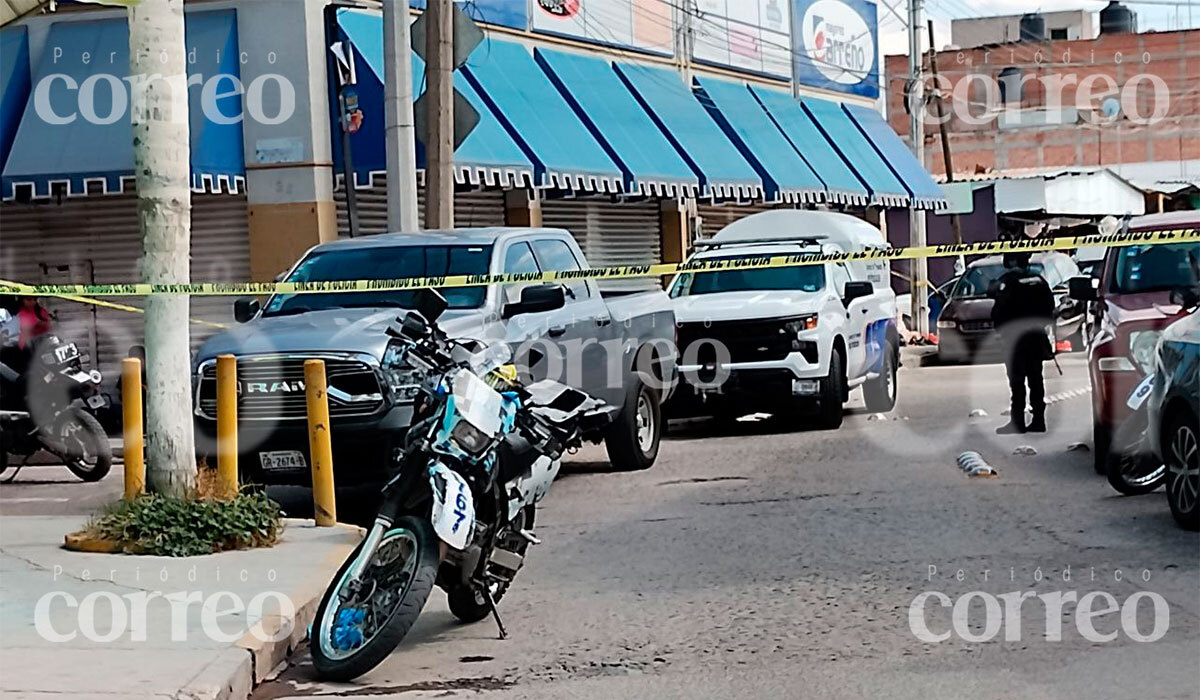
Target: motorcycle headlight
(1142, 348)
(403, 383)
(804, 323)
(472, 440)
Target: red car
(1131, 304)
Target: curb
(236, 671)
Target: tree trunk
(161, 144)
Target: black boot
(1015, 425)
(1038, 424)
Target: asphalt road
(763, 560)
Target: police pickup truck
(787, 340)
(619, 350)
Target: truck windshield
(1156, 268)
(378, 263)
(976, 282)
(806, 278)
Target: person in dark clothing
(1024, 307)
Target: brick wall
(986, 140)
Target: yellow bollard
(320, 446)
(227, 426)
(131, 410)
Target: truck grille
(747, 341)
(976, 326)
(272, 388)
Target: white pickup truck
(785, 340)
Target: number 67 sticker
(1141, 393)
(453, 515)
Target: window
(1154, 268)
(980, 278)
(1058, 33)
(380, 263)
(840, 277)
(804, 278)
(518, 259)
(1010, 85)
(555, 255)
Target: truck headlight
(1142, 348)
(472, 440)
(807, 322)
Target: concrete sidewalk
(118, 626)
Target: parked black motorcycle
(47, 401)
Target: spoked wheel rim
(79, 452)
(645, 424)
(1136, 471)
(346, 629)
(1184, 464)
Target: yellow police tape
(1181, 235)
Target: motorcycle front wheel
(84, 444)
(357, 627)
(1132, 468)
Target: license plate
(97, 401)
(283, 459)
(806, 386)
(1141, 393)
(66, 353)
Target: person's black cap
(1017, 259)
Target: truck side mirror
(245, 309)
(857, 290)
(1082, 288)
(1186, 297)
(536, 299)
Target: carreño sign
(835, 45)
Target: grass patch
(202, 524)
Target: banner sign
(836, 45)
(752, 35)
(646, 25)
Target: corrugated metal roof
(11, 10)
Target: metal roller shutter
(714, 217)
(95, 239)
(611, 233)
(480, 208)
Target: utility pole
(941, 106)
(161, 156)
(919, 278)
(439, 86)
(398, 99)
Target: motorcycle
(1133, 469)
(47, 401)
(482, 452)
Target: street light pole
(919, 279)
(439, 149)
(398, 99)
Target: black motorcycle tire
(467, 604)
(402, 618)
(1127, 453)
(98, 445)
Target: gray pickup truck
(618, 349)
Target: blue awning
(925, 192)
(784, 173)
(488, 156)
(565, 155)
(724, 173)
(14, 83)
(604, 104)
(75, 144)
(854, 148)
(841, 184)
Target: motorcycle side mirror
(430, 304)
(412, 326)
(245, 309)
(536, 299)
(1083, 288)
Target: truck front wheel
(833, 392)
(880, 393)
(633, 438)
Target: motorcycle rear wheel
(87, 452)
(335, 654)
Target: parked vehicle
(47, 401)
(619, 350)
(1131, 303)
(937, 301)
(965, 326)
(459, 511)
(1174, 410)
(786, 339)
(1134, 468)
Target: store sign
(505, 13)
(836, 45)
(751, 35)
(647, 25)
